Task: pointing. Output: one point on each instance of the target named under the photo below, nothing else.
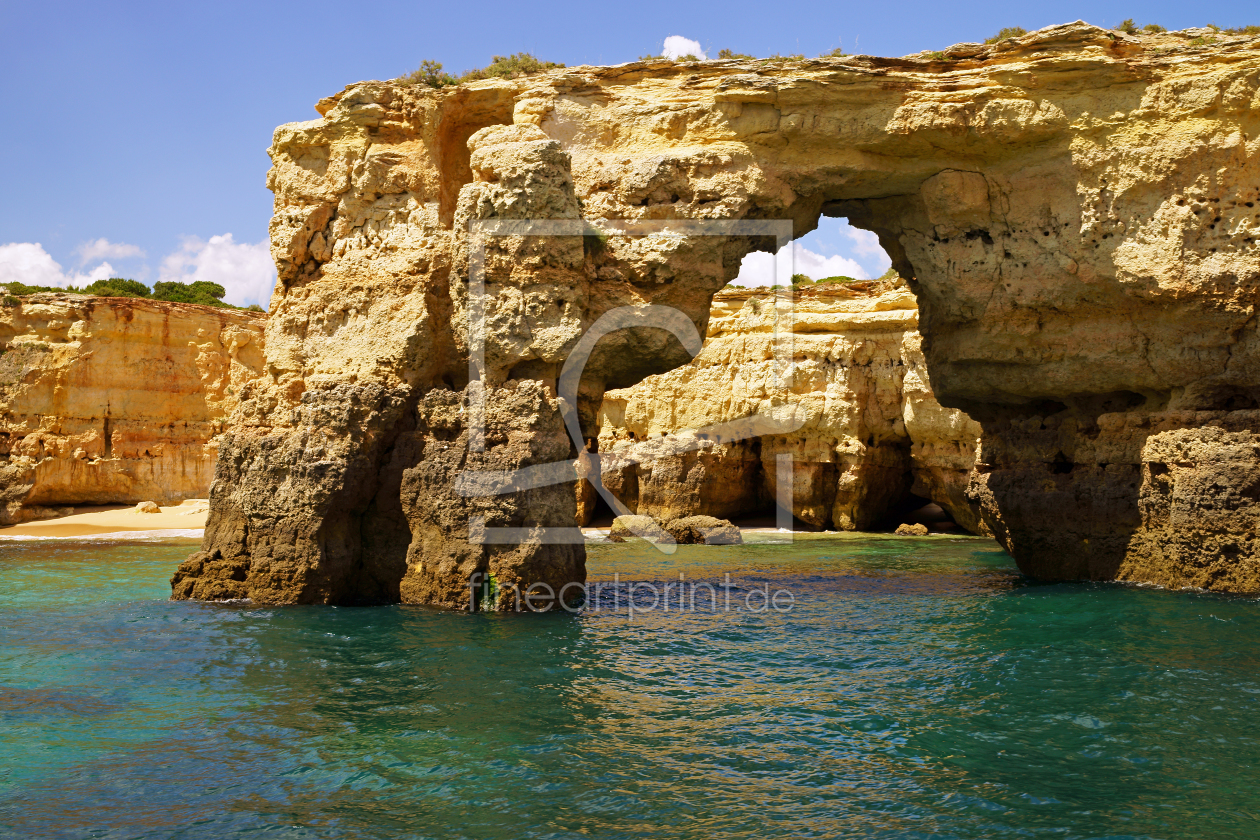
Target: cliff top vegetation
(201, 292)
(500, 67)
(432, 74)
(801, 280)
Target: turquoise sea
(917, 688)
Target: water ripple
(917, 688)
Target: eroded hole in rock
(808, 332)
(916, 510)
(1209, 397)
(477, 110)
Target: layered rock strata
(1075, 209)
(115, 400)
(839, 369)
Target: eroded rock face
(1076, 210)
(115, 400)
(525, 429)
(839, 369)
(1162, 497)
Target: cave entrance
(919, 510)
(601, 515)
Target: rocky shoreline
(1074, 211)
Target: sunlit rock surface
(839, 368)
(1075, 210)
(115, 400)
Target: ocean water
(916, 688)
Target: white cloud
(29, 263)
(244, 270)
(103, 249)
(866, 244)
(760, 268)
(676, 46)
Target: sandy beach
(98, 521)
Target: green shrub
(117, 287)
(10, 300)
(938, 56)
(1127, 26)
(1153, 28)
(199, 291)
(429, 73)
(1202, 41)
(500, 67)
(113, 287)
(594, 240)
(802, 280)
(838, 52)
(1242, 30)
(509, 67)
(839, 278)
(1008, 32)
(16, 288)
(732, 55)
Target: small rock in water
(148, 507)
(707, 530)
(918, 529)
(626, 526)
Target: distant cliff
(107, 400)
(864, 431)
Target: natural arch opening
(850, 372)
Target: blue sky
(135, 134)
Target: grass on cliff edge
(430, 72)
(500, 67)
(799, 280)
(201, 292)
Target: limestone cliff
(106, 400)
(1075, 210)
(865, 429)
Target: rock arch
(1077, 209)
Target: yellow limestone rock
(1075, 211)
(865, 429)
(108, 400)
